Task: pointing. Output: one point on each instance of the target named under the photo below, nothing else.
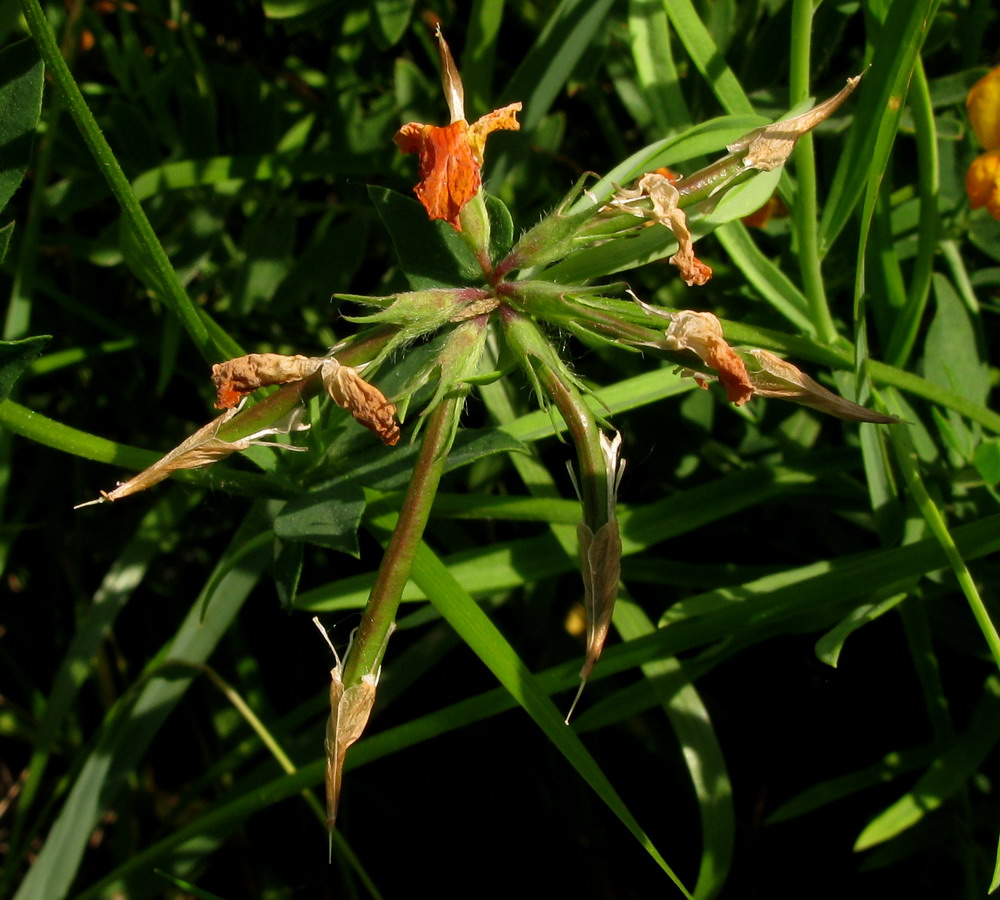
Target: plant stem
(904, 335)
(160, 275)
(380, 612)
(804, 210)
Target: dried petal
(701, 333)
(238, 377)
(503, 119)
(600, 557)
(777, 377)
(350, 710)
(983, 106)
(665, 198)
(201, 449)
(449, 171)
(768, 147)
(362, 400)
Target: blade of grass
(483, 638)
(159, 273)
(156, 534)
(702, 754)
(134, 722)
(879, 107)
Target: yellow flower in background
(983, 105)
(982, 180)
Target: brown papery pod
(350, 709)
(203, 448)
(701, 333)
(777, 377)
(362, 400)
(601, 565)
(236, 378)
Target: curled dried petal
(776, 377)
(701, 333)
(665, 199)
(236, 378)
(362, 400)
(451, 159)
(201, 449)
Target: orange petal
(503, 119)
(983, 105)
(982, 183)
(449, 170)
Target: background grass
(797, 671)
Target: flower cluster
(513, 295)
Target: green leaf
(329, 517)
(288, 9)
(21, 82)
(14, 356)
(987, 461)
(390, 19)
(431, 253)
(391, 470)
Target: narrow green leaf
(5, 235)
(480, 634)
(391, 19)
(707, 57)
(289, 9)
(888, 769)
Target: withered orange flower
(701, 333)
(451, 156)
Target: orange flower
(983, 105)
(982, 182)
(451, 156)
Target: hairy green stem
(162, 279)
(380, 612)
